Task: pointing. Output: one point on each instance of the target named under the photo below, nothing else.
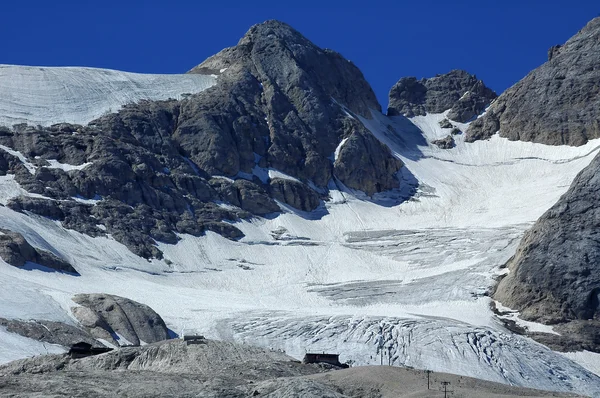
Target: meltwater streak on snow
(50, 95)
(355, 277)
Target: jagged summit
(457, 90)
(556, 103)
(274, 52)
(275, 29)
(280, 121)
(234, 210)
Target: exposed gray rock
(49, 332)
(145, 196)
(554, 276)
(295, 194)
(366, 164)
(472, 103)
(16, 251)
(255, 199)
(294, 97)
(455, 131)
(445, 143)
(217, 369)
(554, 50)
(281, 102)
(106, 316)
(459, 91)
(555, 104)
(446, 124)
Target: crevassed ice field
(383, 280)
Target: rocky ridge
(457, 91)
(157, 169)
(554, 276)
(214, 369)
(555, 104)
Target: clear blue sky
(499, 41)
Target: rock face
(293, 96)
(114, 318)
(295, 194)
(554, 277)
(459, 91)
(16, 251)
(557, 103)
(365, 164)
(156, 169)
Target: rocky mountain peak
(277, 55)
(280, 105)
(274, 30)
(461, 92)
(556, 103)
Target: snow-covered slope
(49, 95)
(372, 279)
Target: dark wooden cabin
(331, 359)
(194, 339)
(82, 350)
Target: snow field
(356, 276)
(50, 95)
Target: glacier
(379, 280)
(50, 95)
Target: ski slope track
(50, 95)
(370, 278)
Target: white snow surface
(587, 359)
(358, 276)
(55, 164)
(50, 95)
(15, 347)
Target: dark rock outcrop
(111, 318)
(445, 143)
(557, 103)
(151, 171)
(446, 124)
(291, 95)
(254, 199)
(366, 164)
(294, 193)
(48, 332)
(16, 251)
(459, 91)
(554, 276)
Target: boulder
(16, 251)
(119, 320)
(445, 143)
